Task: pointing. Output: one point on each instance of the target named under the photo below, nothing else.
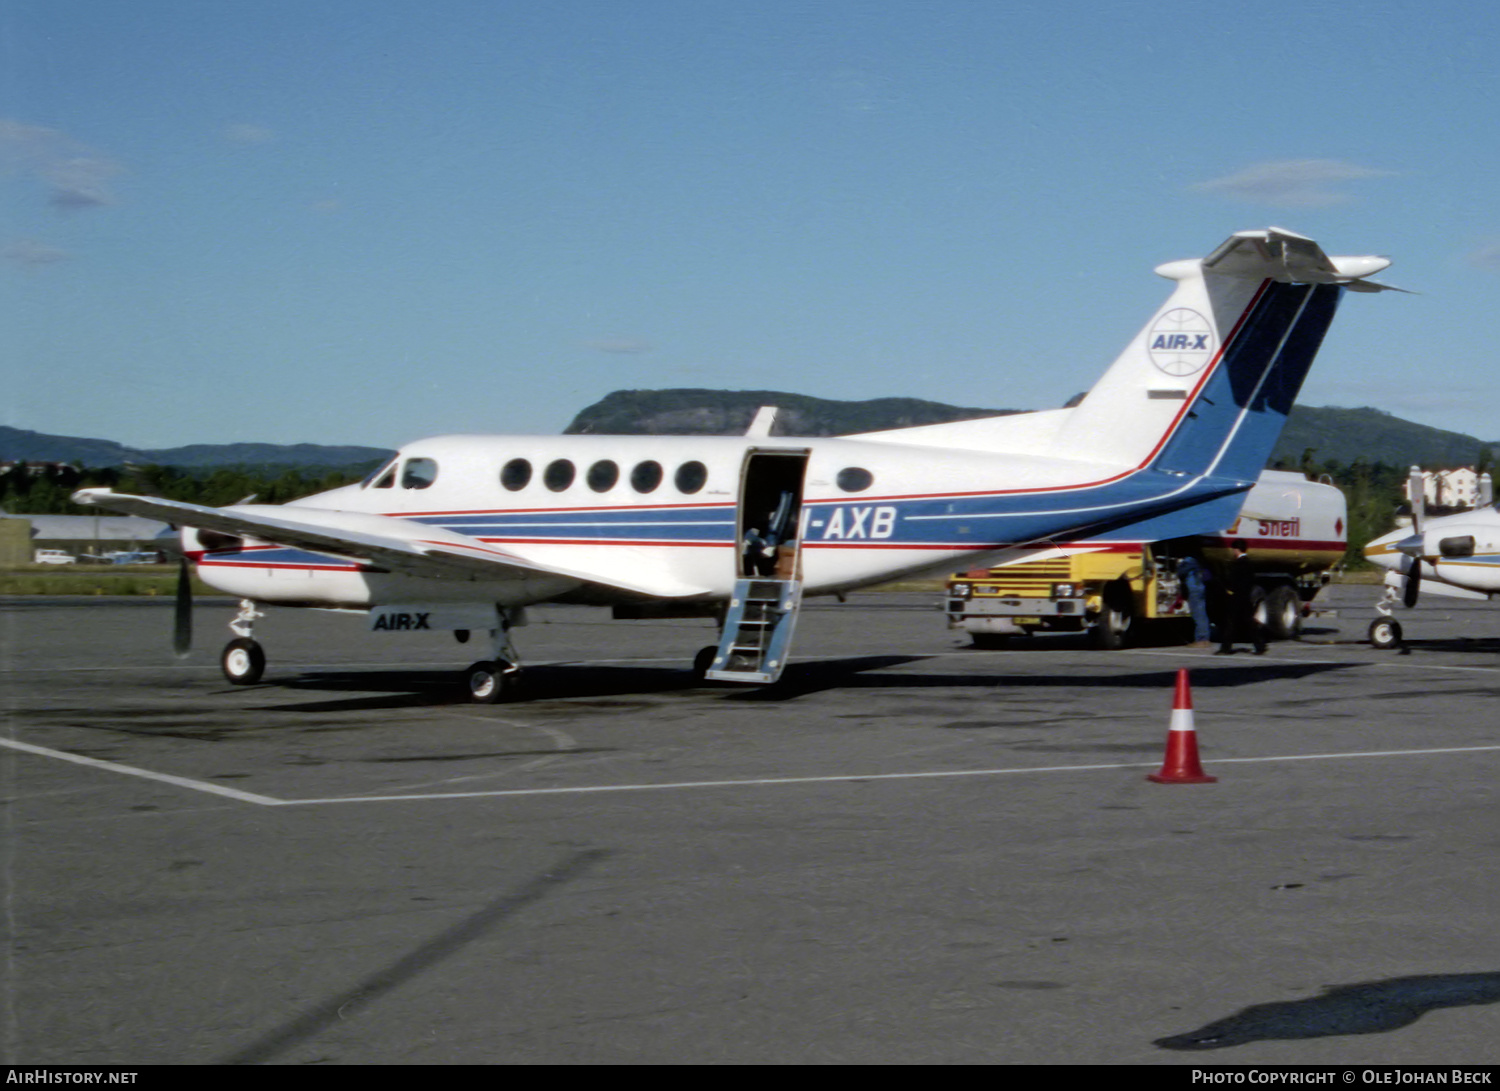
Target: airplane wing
(398, 545)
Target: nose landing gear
(243, 660)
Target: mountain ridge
(1331, 433)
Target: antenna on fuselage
(765, 416)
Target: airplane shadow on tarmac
(553, 682)
(1371, 1007)
(802, 679)
(1454, 644)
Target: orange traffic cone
(1181, 765)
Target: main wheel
(491, 683)
(243, 661)
(1385, 633)
(1283, 613)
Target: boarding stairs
(757, 631)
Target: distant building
(1449, 488)
(91, 534)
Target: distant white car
(54, 556)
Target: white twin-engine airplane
(1457, 556)
(463, 532)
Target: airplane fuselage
(459, 532)
(673, 513)
(1461, 550)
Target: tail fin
(1205, 388)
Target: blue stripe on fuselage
(709, 523)
(1243, 405)
(973, 521)
(967, 522)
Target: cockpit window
(603, 475)
(516, 474)
(646, 476)
(418, 473)
(559, 475)
(381, 477)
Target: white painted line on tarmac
(853, 778)
(1283, 661)
(147, 774)
(751, 782)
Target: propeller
(1411, 568)
(169, 541)
(1413, 585)
(182, 619)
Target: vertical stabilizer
(1205, 387)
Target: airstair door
(762, 612)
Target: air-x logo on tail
(1180, 342)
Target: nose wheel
(243, 661)
(1385, 633)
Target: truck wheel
(1112, 629)
(1283, 614)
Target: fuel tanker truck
(1293, 530)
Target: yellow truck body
(1293, 529)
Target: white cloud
(76, 176)
(1292, 183)
(1487, 257)
(34, 254)
(249, 134)
(622, 346)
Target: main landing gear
(243, 660)
(489, 681)
(497, 679)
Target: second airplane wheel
(1385, 633)
(703, 662)
(490, 683)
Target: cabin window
(559, 475)
(418, 473)
(855, 479)
(603, 475)
(691, 476)
(646, 476)
(515, 475)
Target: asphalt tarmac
(909, 851)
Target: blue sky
(368, 222)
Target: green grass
(56, 579)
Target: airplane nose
(1411, 546)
